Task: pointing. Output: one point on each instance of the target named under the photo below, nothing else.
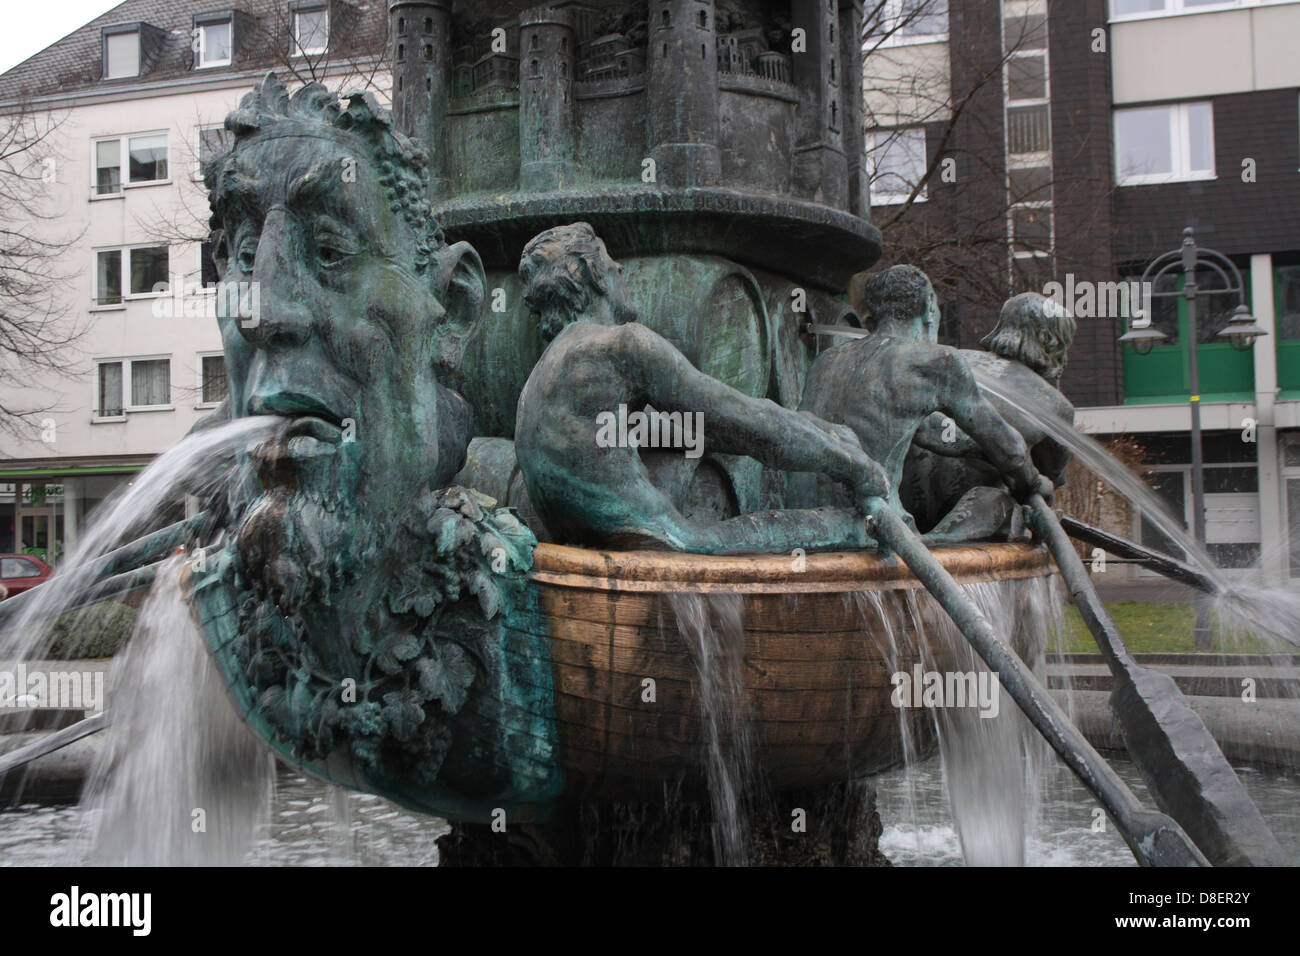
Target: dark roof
(358, 30)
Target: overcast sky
(32, 25)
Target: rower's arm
(941, 435)
(1001, 444)
(736, 424)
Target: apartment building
(1086, 136)
(140, 95)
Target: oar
(52, 742)
(1154, 838)
(1153, 560)
(108, 574)
(1182, 765)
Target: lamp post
(1241, 332)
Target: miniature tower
(683, 93)
(852, 101)
(547, 62)
(421, 55)
(821, 170)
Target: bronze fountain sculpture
(458, 358)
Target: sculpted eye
(246, 252)
(332, 247)
(331, 253)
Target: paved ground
(1254, 676)
(1250, 703)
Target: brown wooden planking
(816, 680)
(661, 571)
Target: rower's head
(568, 276)
(901, 303)
(1035, 331)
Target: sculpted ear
(460, 285)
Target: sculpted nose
(279, 270)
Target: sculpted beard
(301, 543)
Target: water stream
(195, 465)
(181, 780)
(710, 626)
(1245, 604)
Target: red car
(22, 572)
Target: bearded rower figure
(960, 496)
(591, 489)
(886, 387)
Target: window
(1031, 229)
(1025, 31)
(108, 395)
(898, 163)
(1027, 77)
(18, 568)
(151, 383)
(148, 269)
(1123, 9)
(108, 277)
(213, 386)
(132, 385)
(146, 162)
(1164, 144)
(1287, 303)
(213, 143)
(909, 21)
(209, 275)
(214, 39)
(122, 54)
(108, 167)
(147, 157)
(311, 29)
(140, 270)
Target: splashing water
(179, 779)
(883, 617)
(994, 763)
(711, 627)
(1268, 612)
(182, 780)
(194, 465)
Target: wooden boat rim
(834, 572)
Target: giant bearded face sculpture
(325, 212)
(357, 608)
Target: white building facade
(140, 96)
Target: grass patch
(96, 631)
(1157, 628)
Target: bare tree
(353, 59)
(954, 105)
(38, 331)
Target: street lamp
(1242, 331)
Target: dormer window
(311, 30)
(214, 41)
(121, 52)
